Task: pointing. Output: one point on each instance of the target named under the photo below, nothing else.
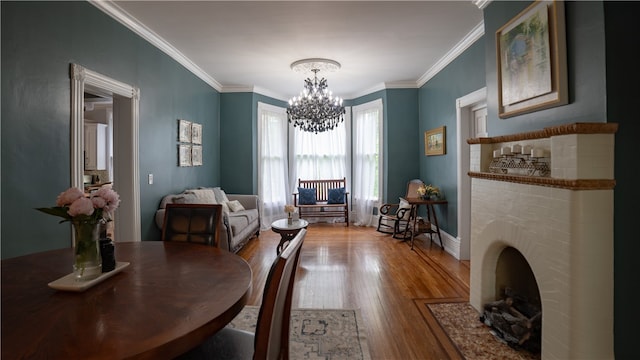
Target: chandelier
(315, 109)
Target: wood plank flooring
(356, 267)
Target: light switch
(150, 179)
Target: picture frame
(184, 131)
(196, 155)
(435, 141)
(196, 133)
(184, 155)
(531, 60)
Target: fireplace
(561, 224)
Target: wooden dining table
(169, 299)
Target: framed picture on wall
(531, 60)
(196, 133)
(184, 131)
(196, 155)
(435, 141)
(184, 155)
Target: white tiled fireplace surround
(561, 224)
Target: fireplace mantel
(562, 224)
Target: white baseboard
(450, 243)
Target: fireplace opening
(516, 314)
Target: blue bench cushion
(307, 196)
(336, 196)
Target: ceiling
(250, 45)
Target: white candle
(496, 153)
(537, 153)
(516, 149)
(506, 150)
(526, 149)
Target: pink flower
(98, 202)
(69, 196)
(111, 198)
(82, 206)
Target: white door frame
(464, 125)
(126, 170)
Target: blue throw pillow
(336, 196)
(307, 196)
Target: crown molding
(126, 19)
(133, 24)
(481, 4)
(475, 34)
(254, 89)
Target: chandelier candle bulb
(537, 153)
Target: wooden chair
(271, 339)
(395, 218)
(197, 223)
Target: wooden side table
(431, 217)
(287, 231)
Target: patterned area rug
(470, 337)
(317, 333)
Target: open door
(125, 139)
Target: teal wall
(437, 103)
(623, 93)
(238, 146)
(39, 41)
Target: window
(326, 155)
(367, 160)
(323, 155)
(273, 183)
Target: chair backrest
(412, 187)
(197, 223)
(272, 329)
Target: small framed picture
(435, 141)
(196, 133)
(196, 155)
(184, 131)
(184, 155)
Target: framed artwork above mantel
(531, 60)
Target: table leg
(431, 210)
(414, 210)
(285, 238)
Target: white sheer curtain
(323, 155)
(367, 161)
(273, 180)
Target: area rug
(466, 334)
(331, 334)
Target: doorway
(125, 114)
(469, 110)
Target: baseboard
(450, 243)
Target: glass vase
(290, 219)
(87, 263)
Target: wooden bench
(321, 208)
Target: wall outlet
(150, 179)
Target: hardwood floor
(356, 267)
